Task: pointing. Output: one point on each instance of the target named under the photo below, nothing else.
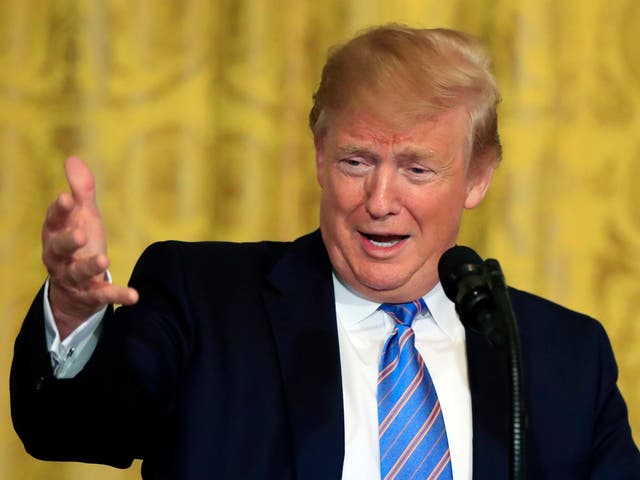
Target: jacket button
(39, 384)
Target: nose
(382, 195)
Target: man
(285, 360)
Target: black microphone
(464, 281)
(480, 293)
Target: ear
(318, 142)
(478, 181)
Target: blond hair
(415, 72)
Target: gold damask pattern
(192, 113)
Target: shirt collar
(352, 308)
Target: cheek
(438, 213)
(343, 194)
(334, 208)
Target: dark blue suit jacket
(229, 368)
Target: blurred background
(192, 114)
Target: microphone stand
(518, 420)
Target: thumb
(81, 181)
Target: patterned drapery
(192, 114)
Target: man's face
(392, 199)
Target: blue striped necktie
(413, 440)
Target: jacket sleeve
(113, 409)
(614, 455)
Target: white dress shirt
(440, 339)
(68, 357)
(362, 332)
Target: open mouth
(384, 241)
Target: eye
(354, 165)
(352, 162)
(419, 173)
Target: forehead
(362, 127)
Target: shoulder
(198, 253)
(207, 261)
(553, 334)
(223, 259)
(534, 312)
(570, 375)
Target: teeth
(384, 244)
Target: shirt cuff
(68, 357)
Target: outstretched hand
(74, 250)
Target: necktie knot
(404, 313)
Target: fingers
(73, 275)
(81, 181)
(74, 251)
(84, 272)
(69, 314)
(83, 193)
(79, 288)
(85, 281)
(59, 212)
(72, 225)
(59, 249)
(64, 243)
(117, 295)
(98, 296)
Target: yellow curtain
(192, 114)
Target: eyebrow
(351, 149)
(409, 153)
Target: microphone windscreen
(453, 265)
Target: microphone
(465, 282)
(480, 293)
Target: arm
(43, 406)
(118, 405)
(614, 454)
(74, 253)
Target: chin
(391, 285)
(381, 282)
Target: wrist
(67, 314)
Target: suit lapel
(490, 408)
(301, 305)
